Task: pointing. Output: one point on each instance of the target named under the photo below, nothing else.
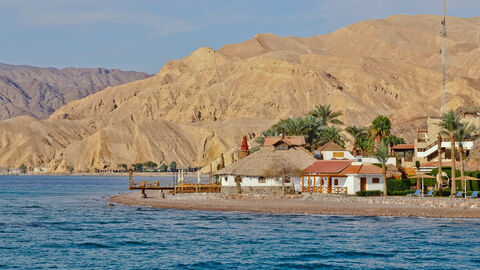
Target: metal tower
(444, 58)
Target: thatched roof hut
(267, 159)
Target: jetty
(178, 188)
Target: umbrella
(465, 178)
(423, 176)
(198, 177)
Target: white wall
(328, 155)
(252, 181)
(390, 160)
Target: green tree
(150, 164)
(380, 128)
(173, 166)
(449, 122)
(465, 132)
(392, 140)
(326, 115)
(23, 168)
(356, 133)
(123, 166)
(381, 153)
(163, 167)
(330, 134)
(138, 167)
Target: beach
(306, 204)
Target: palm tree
(464, 132)
(380, 128)
(330, 134)
(314, 126)
(292, 126)
(449, 122)
(326, 115)
(393, 140)
(381, 153)
(355, 132)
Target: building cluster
(284, 165)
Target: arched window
(262, 180)
(335, 182)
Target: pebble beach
(316, 204)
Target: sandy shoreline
(300, 205)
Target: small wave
(362, 254)
(92, 245)
(32, 207)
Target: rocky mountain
(198, 107)
(38, 92)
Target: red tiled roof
(294, 140)
(370, 169)
(271, 140)
(404, 147)
(362, 169)
(290, 140)
(331, 146)
(328, 166)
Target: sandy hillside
(200, 106)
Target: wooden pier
(180, 188)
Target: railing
(198, 188)
(324, 189)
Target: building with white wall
(341, 177)
(267, 170)
(333, 151)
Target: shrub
(369, 193)
(398, 185)
(443, 193)
(400, 193)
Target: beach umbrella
(423, 176)
(465, 179)
(198, 177)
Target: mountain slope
(37, 92)
(198, 107)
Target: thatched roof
(266, 159)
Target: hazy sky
(143, 34)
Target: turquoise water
(65, 223)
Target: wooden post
(130, 177)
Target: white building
(333, 151)
(263, 171)
(341, 177)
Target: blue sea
(65, 223)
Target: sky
(143, 35)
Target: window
(335, 182)
(321, 182)
(225, 179)
(375, 180)
(262, 180)
(287, 180)
(238, 179)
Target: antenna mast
(444, 58)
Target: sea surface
(65, 223)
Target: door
(363, 183)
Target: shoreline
(322, 205)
